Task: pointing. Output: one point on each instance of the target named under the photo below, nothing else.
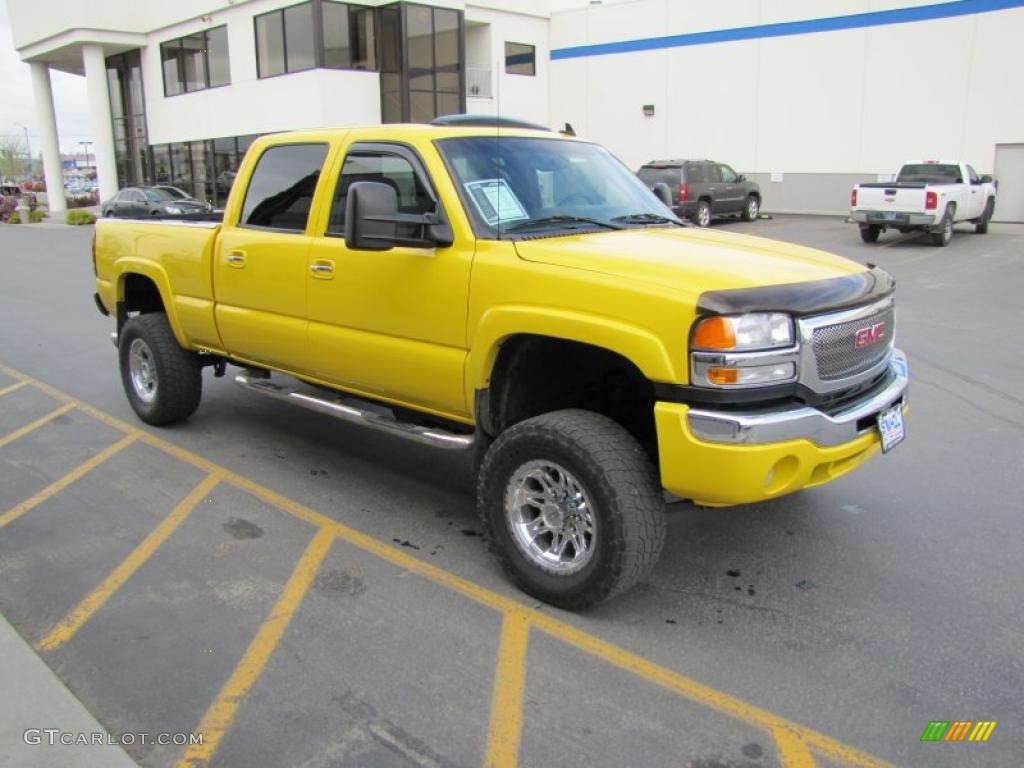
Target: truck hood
(691, 260)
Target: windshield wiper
(561, 219)
(648, 218)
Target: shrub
(78, 216)
(14, 218)
(37, 215)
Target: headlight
(172, 209)
(759, 330)
(736, 351)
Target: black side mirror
(371, 212)
(986, 179)
(741, 177)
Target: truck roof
(419, 130)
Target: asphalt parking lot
(305, 593)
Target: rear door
(261, 259)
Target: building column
(99, 117)
(42, 93)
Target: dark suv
(702, 189)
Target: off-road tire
(620, 482)
(870, 233)
(179, 380)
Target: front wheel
(164, 382)
(869, 233)
(981, 227)
(751, 209)
(572, 507)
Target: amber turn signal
(722, 376)
(714, 333)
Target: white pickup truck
(930, 195)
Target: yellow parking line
(793, 751)
(684, 686)
(17, 385)
(221, 713)
(509, 683)
(11, 437)
(95, 600)
(59, 485)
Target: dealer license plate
(890, 425)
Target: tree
(13, 154)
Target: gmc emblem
(873, 334)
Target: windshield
(522, 185)
(932, 173)
(157, 195)
(173, 192)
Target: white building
(805, 96)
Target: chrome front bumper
(776, 426)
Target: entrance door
(1009, 172)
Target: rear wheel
(702, 216)
(869, 233)
(164, 382)
(944, 235)
(981, 226)
(572, 507)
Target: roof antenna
(568, 131)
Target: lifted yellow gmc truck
(475, 284)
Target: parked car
(702, 189)
(132, 202)
(930, 196)
(560, 325)
(14, 194)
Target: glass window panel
(421, 81)
(392, 170)
(181, 167)
(161, 164)
(448, 104)
(193, 57)
(446, 38)
(270, 44)
(419, 36)
(116, 97)
(169, 54)
(135, 103)
(448, 81)
(298, 31)
(337, 45)
(364, 44)
(217, 55)
(520, 59)
(421, 106)
(281, 189)
(390, 40)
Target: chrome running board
(357, 411)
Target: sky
(17, 107)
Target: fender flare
(638, 345)
(131, 265)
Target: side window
(713, 173)
(282, 185)
(695, 174)
(137, 197)
(728, 174)
(384, 168)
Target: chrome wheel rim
(704, 215)
(142, 370)
(752, 209)
(947, 230)
(550, 517)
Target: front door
(260, 262)
(732, 198)
(391, 323)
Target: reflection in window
(388, 169)
(281, 189)
(520, 59)
(195, 62)
(285, 41)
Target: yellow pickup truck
(477, 285)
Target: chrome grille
(837, 354)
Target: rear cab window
(281, 188)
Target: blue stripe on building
(789, 28)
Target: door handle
(236, 258)
(322, 268)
